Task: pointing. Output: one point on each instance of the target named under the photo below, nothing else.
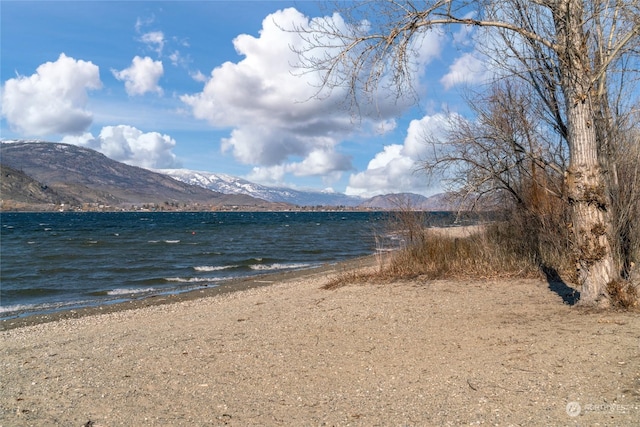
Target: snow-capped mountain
(228, 184)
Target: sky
(215, 86)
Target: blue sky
(212, 86)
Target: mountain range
(234, 185)
(36, 175)
(39, 175)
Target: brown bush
(534, 238)
(623, 294)
(483, 255)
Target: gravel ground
(417, 353)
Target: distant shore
(213, 208)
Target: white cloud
(131, 146)
(397, 167)
(53, 100)
(270, 106)
(141, 77)
(320, 162)
(385, 126)
(464, 35)
(428, 47)
(468, 68)
(420, 131)
(198, 76)
(268, 175)
(143, 22)
(154, 41)
(176, 58)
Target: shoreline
(287, 352)
(225, 287)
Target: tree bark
(589, 198)
(587, 182)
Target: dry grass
(362, 274)
(528, 244)
(478, 255)
(350, 276)
(444, 253)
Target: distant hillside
(43, 175)
(83, 176)
(234, 185)
(23, 190)
(399, 201)
(438, 202)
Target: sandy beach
(414, 353)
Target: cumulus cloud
(270, 106)
(320, 162)
(53, 100)
(141, 77)
(130, 145)
(397, 167)
(317, 163)
(268, 175)
(466, 69)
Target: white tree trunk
(587, 182)
(589, 198)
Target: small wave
(214, 268)
(122, 291)
(172, 241)
(17, 307)
(278, 266)
(386, 250)
(191, 279)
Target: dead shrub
(347, 277)
(532, 236)
(623, 294)
(439, 256)
(626, 200)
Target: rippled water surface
(52, 261)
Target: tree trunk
(590, 202)
(587, 182)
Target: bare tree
(508, 158)
(626, 197)
(569, 48)
(504, 154)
